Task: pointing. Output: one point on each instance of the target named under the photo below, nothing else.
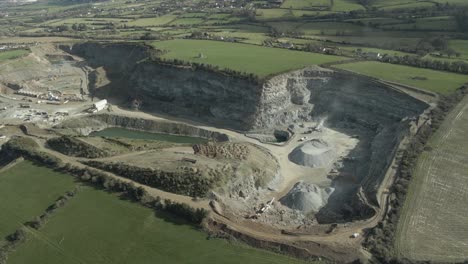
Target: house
(287, 45)
(373, 55)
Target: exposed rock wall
(205, 95)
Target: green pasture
(259, 60)
(460, 46)
(305, 4)
(346, 6)
(97, 227)
(26, 191)
(153, 21)
(434, 81)
(12, 54)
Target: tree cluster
(381, 238)
(79, 27)
(12, 241)
(72, 146)
(27, 147)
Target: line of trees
(137, 194)
(415, 61)
(251, 77)
(380, 240)
(189, 182)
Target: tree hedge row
(138, 194)
(186, 183)
(251, 77)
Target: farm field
(136, 235)
(262, 61)
(13, 54)
(305, 4)
(434, 216)
(26, 191)
(434, 81)
(346, 6)
(460, 46)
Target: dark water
(134, 134)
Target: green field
(26, 191)
(262, 61)
(460, 46)
(154, 21)
(12, 54)
(305, 4)
(97, 227)
(434, 81)
(433, 222)
(346, 5)
(330, 28)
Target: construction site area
(302, 161)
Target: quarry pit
(298, 152)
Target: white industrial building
(98, 106)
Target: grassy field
(154, 21)
(262, 61)
(433, 224)
(330, 28)
(460, 46)
(97, 227)
(12, 54)
(346, 5)
(26, 191)
(305, 4)
(434, 81)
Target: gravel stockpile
(315, 153)
(306, 197)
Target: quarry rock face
(237, 103)
(306, 197)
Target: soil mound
(314, 153)
(306, 197)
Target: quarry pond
(135, 134)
